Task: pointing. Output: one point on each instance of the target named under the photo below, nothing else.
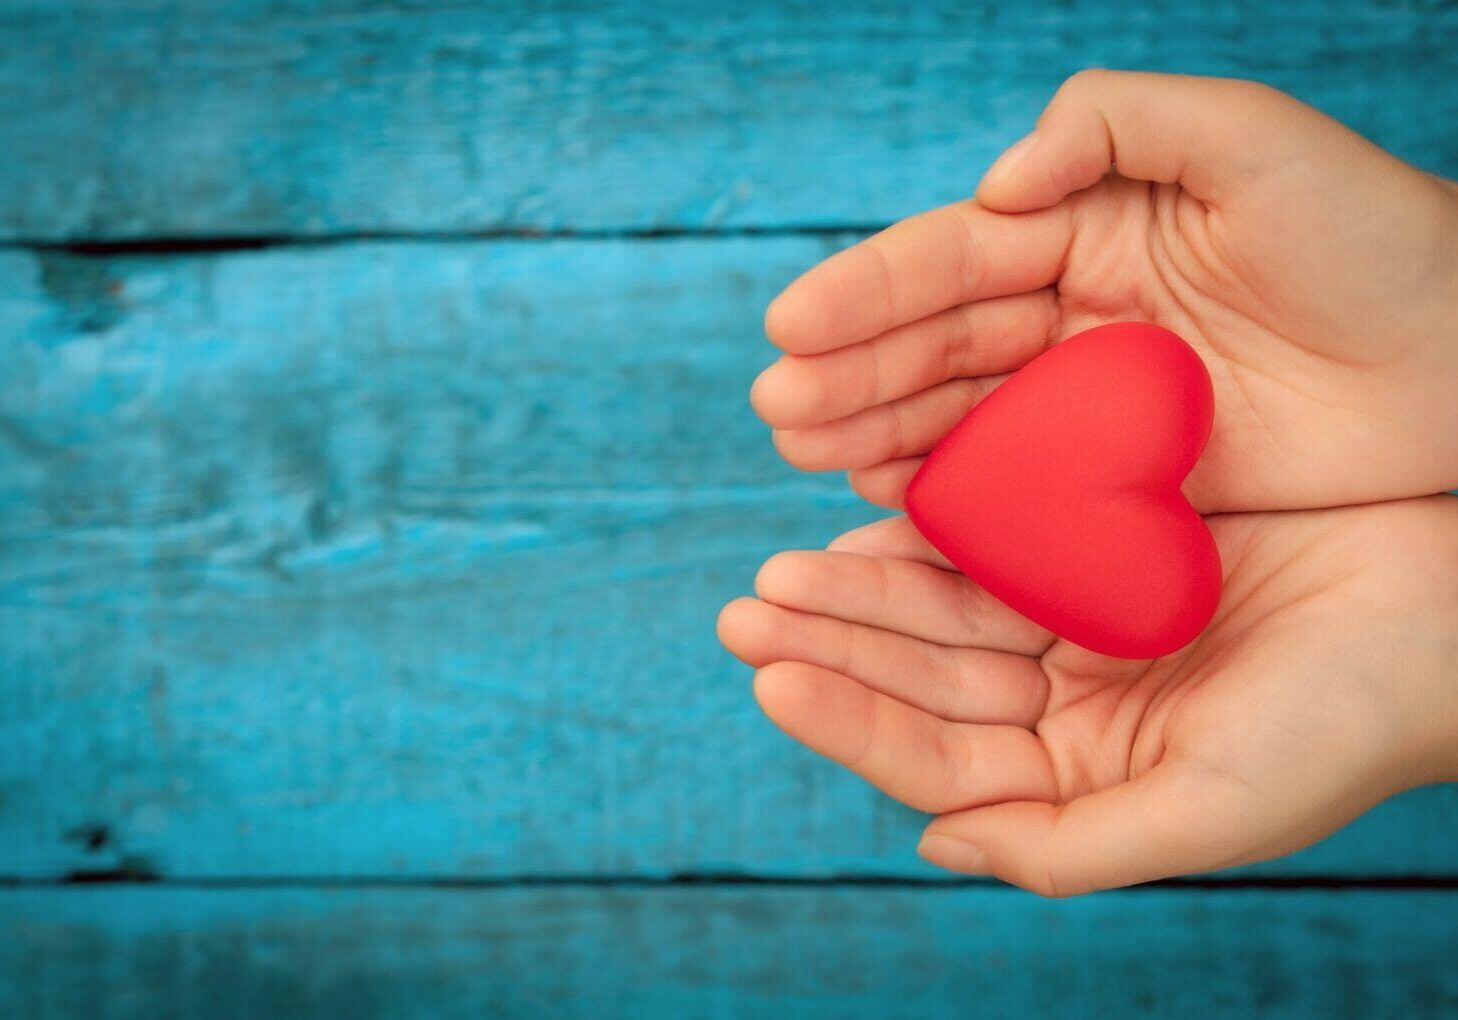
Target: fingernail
(1007, 164)
(953, 854)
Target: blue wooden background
(374, 457)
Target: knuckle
(859, 758)
(874, 249)
(955, 341)
(881, 585)
(893, 439)
(1045, 884)
(1051, 883)
(1052, 331)
(968, 392)
(872, 375)
(971, 257)
(943, 791)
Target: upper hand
(1316, 275)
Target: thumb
(1207, 134)
(1174, 820)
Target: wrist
(1447, 637)
(1425, 650)
(1448, 756)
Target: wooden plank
(744, 952)
(258, 117)
(536, 693)
(413, 378)
(457, 488)
(403, 559)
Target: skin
(1327, 682)
(1317, 277)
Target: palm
(876, 656)
(1239, 696)
(1283, 326)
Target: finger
(981, 338)
(1173, 820)
(945, 257)
(902, 428)
(901, 596)
(895, 537)
(1207, 134)
(956, 684)
(885, 484)
(925, 762)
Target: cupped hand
(1316, 275)
(1327, 682)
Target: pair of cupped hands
(1317, 277)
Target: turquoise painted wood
(258, 117)
(438, 954)
(340, 571)
(402, 559)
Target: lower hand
(1327, 682)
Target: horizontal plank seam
(817, 487)
(222, 244)
(698, 879)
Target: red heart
(1060, 492)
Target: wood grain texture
(255, 117)
(702, 952)
(368, 559)
(398, 559)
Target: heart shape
(1060, 492)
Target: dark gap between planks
(133, 876)
(221, 244)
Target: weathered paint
(367, 561)
(266, 117)
(437, 954)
